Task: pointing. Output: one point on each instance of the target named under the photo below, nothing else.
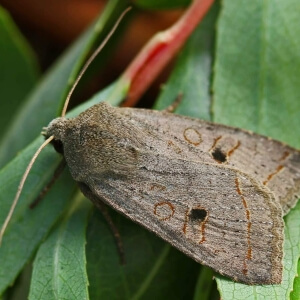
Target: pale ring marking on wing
(192, 136)
(164, 210)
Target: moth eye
(58, 146)
(219, 156)
(198, 214)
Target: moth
(214, 192)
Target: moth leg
(113, 228)
(46, 189)
(171, 108)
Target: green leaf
(205, 284)
(20, 289)
(257, 70)
(18, 67)
(46, 100)
(255, 87)
(295, 295)
(59, 270)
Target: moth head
(56, 128)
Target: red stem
(161, 49)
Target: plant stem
(160, 50)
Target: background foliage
(240, 67)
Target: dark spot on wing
(218, 155)
(198, 214)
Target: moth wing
(273, 163)
(217, 215)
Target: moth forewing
(215, 213)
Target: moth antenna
(91, 59)
(21, 184)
